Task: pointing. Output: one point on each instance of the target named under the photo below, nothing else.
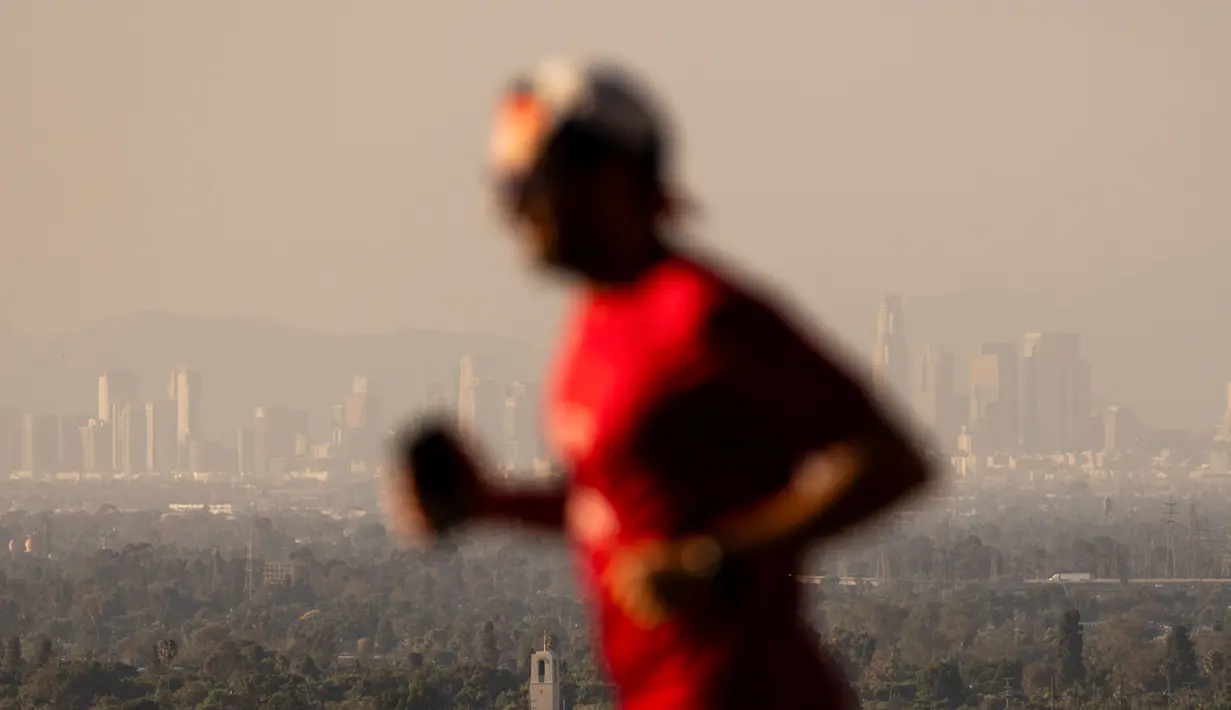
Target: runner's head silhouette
(579, 156)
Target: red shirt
(679, 400)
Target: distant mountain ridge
(244, 362)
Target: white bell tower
(545, 689)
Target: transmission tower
(215, 563)
(882, 562)
(1226, 557)
(249, 572)
(1195, 568)
(939, 566)
(1169, 524)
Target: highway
(1100, 582)
(1157, 581)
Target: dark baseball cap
(578, 112)
(599, 102)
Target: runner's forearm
(889, 470)
(832, 491)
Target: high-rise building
(186, 391)
(10, 441)
(363, 422)
(1220, 453)
(115, 389)
(891, 356)
(69, 455)
(1224, 427)
(480, 405)
(1119, 429)
(161, 445)
(1055, 394)
(131, 432)
(187, 396)
(935, 396)
(337, 420)
(467, 381)
(359, 404)
(522, 430)
(210, 457)
(276, 431)
(245, 452)
(40, 437)
(489, 415)
(96, 446)
(994, 397)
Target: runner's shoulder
(747, 319)
(682, 298)
(738, 309)
(716, 294)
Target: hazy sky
(321, 161)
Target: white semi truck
(1071, 577)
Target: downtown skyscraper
(185, 390)
(1055, 394)
(891, 355)
(116, 388)
(994, 397)
(934, 397)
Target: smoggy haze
(323, 158)
(320, 162)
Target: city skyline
(1170, 386)
(133, 436)
(1028, 397)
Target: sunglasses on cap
(521, 129)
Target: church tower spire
(545, 682)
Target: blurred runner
(708, 442)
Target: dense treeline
(144, 610)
